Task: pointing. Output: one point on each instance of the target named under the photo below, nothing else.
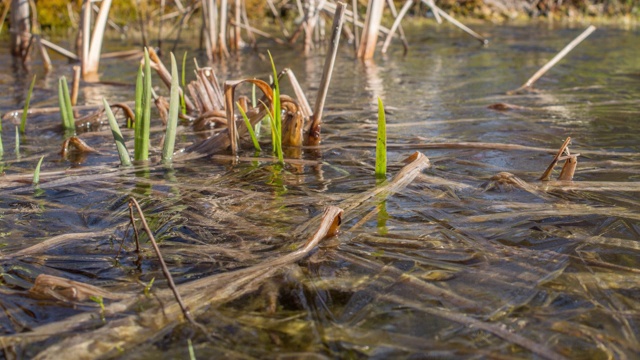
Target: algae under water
(447, 266)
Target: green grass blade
(23, 120)
(63, 105)
(276, 118)
(36, 173)
(143, 124)
(71, 122)
(1, 147)
(256, 145)
(138, 114)
(381, 143)
(125, 160)
(183, 104)
(172, 121)
(277, 138)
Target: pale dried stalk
(555, 60)
(313, 135)
(396, 24)
(455, 22)
(76, 84)
(91, 63)
(60, 50)
(370, 32)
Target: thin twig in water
(165, 270)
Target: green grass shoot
(1, 146)
(36, 173)
(192, 353)
(125, 160)
(147, 288)
(143, 111)
(23, 120)
(66, 110)
(381, 143)
(183, 82)
(172, 121)
(254, 138)
(276, 116)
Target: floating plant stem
(125, 160)
(23, 120)
(143, 111)
(172, 121)
(36, 173)
(381, 143)
(256, 145)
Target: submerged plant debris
(460, 251)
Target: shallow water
(442, 268)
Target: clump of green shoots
(66, 109)
(23, 120)
(275, 116)
(381, 143)
(143, 110)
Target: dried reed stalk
(76, 84)
(371, 27)
(396, 24)
(555, 60)
(455, 22)
(60, 50)
(313, 133)
(164, 74)
(92, 61)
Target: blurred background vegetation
(59, 14)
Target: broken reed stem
(46, 60)
(555, 60)
(76, 84)
(163, 265)
(60, 50)
(313, 135)
(370, 29)
(547, 173)
(455, 22)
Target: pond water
(446, 263)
